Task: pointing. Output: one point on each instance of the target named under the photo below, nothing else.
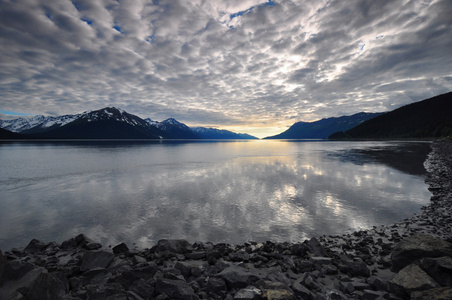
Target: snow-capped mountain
(36, 124)
(110, 123)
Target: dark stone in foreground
(416, 247)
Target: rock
(96, 259)
(237, 277)
(5, 269)
(444, 293)
(372, 295)
(48, 286)
(278, 276)
(409, 279)
(175, 289)
(239, 256)
(9, 290)
(127, 278)
(142, 288)
(121, 248)
(440, 269)
(81, 241)
(106, 291)
(301, 291)
(321, 260)
(139, 259)
(36, 246)
(299, 249)
(216, 285)
(249, 293)
(352, 267)
(174, 246)
(416, 247)
(377, 283)
(278, 295)
(315, 248)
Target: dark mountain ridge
(322, 129)
(429, 118)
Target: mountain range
(107, 123)
(322, 129)
(429, 118)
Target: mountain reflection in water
(212, 191)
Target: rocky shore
(407, 260)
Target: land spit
(410, 259)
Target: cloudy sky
(254, 66)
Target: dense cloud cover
(250, 65)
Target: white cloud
(223, 63)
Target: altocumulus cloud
(249, 65)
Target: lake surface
(218, 191)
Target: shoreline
(367, 264)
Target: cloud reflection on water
(242, 195)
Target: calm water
(140, 192)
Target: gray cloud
(223, 63)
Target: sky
(253, 66)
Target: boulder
(9, 290)
(175, 289)
(5, 269)
(237, 277)
(409, 279)
(352, 267)
(36, 246)
(48, 286)
(440, 269)
(121, 248)
(216, 285)
(301, 291)
(416, 247)
(96, 259)
(315, 248)
(444, 293)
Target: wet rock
(416, 247)
(96, 259)
(121, 248)
(444, 293)
(440, 269)
(175, 289)
(409, 279)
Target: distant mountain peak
(172, 121)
